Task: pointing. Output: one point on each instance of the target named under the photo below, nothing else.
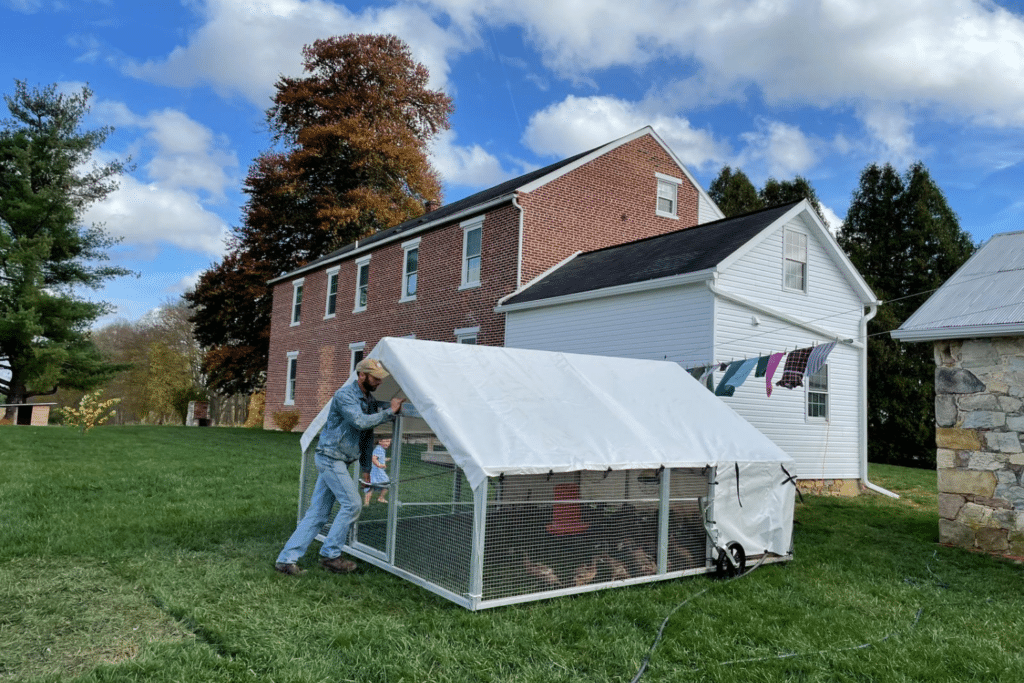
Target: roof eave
(617, 290)
(965, 332)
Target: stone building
(976, 323)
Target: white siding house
(716, 293)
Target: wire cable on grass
(820, 652)
(650, 653)
(661, 630)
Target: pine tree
(734, 193)
(48, 178)
(906, 241)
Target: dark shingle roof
(685, 251)
(457, 207)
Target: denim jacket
(350, 422)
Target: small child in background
(378, 475)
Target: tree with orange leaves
(351, 159)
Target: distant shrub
(256, 404)
(90, 411)
(286, 420)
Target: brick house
(441, 275)
(975, 321)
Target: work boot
(338, 565)
(289, 569)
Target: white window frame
(406, 248)
(297, 290)
(817, 391)
(468, 227)
(793, 255)
(361, 263)
(291, 370)
(668, 188)
(332, 276)
(353, 349)
(464, 334)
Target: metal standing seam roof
(985, 297)
(688, 250)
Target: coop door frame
(391, 524)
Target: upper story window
(472, 237)
(297, 300)
(668, 195)
(410, 269)
(289, 384)
(795, 261)
(356, 353)
(362, 283)
(332, 292)
(817, 394)
(467, 335)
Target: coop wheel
(738, 565)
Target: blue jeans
(334, 482)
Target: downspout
(519, 259)
(864, 405)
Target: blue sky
(775, 87)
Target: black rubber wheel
(727, 569)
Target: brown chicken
(585, 573)
(543, 573)
(616, 569)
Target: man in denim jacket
(347, 433)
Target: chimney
(431, 204)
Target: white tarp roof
(515, 411)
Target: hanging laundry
(818, 357)
(723, 366)
(762, 366)
(697, 372)
(708, 378)
(793, 374)
(735, 375)
(773, 363)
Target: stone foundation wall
(829, 487)
(979, 415)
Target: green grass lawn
(145, 554)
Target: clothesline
(800, 363)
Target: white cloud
(579, 123)
(150, 214)
(471, 166)
(933, 58)
(243, 47)
(783, 150)
(834, 221)
(187, 168)
(892, 130)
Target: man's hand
(396, 405)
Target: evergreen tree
(905, 240)
(779, 192)
(734, 193)
(353, 132)
(48, 178)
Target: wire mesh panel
(574, 530)
(434, 515)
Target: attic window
(795, 261)
(668, 195)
